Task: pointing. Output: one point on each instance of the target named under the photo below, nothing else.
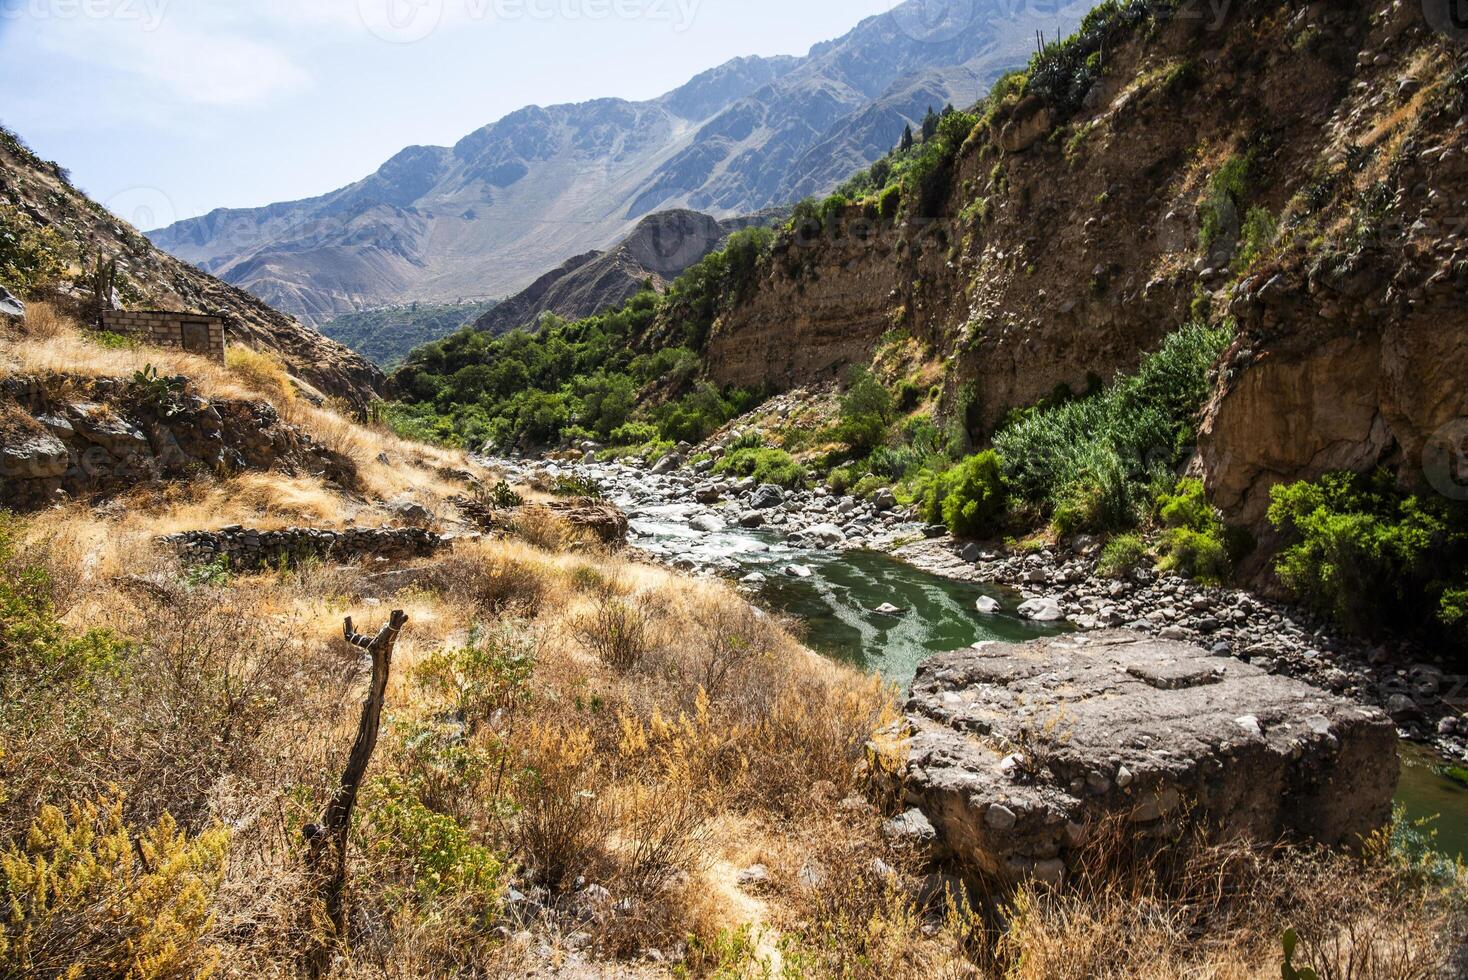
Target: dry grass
(389, 466)
(530, 741)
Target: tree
(930, 125)
(907, 139)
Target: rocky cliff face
(86, 439)
(1072, 239)
(487, 216)
(150, 279)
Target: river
(837, 603)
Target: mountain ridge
(490, 214)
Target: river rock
(798, 571)
(604, 521)
(887, 609)
(987, 605)
(707, 523)
(767, 497)
(1045, 610)
(826, 535)
(1137, 725)
(751, 520)
(667, 464)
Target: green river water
(835, 605)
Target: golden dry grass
(527, 739)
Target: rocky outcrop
(85, 438)
(1015, 753)
(604, 522)
(245, 549)
(1070, 241)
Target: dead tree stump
(327, 841)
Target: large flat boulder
(1014, 752)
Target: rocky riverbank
(1057, 585)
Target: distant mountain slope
(488, 215)
(661, 247)
(150, 278)
(385, 336)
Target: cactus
(101, 280)
(1289, 971)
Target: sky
(167, 109)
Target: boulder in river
(707, 523)
(987, 605)
(799, 571)
(826, 535)
(1046, 610)
(1116, 723)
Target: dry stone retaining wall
(244, 548)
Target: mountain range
(487, 216)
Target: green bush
(1372, 557)
(32, 256)
(764, 465)
(1094, 459)
(1122, 555)
(971, 499)
(866, 412)
(634, 434)
(839, 480)
(1195, 544)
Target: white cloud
(157, 49)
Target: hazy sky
(165, 109)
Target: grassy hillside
(581, 759)
(386, 336)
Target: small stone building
(193, 332)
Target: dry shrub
(262, 371)
(543, 528)
(619, 632)
(1205, 908)
(855, 909)
(565, 819)
(730, 638)
(497, 583)
(43, 321)
(219, 684)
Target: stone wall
(244, 548)
(69, 437)
(193, 332)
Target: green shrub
(750, 439)
(1372, 557)
(971, 499)
(1259, 233)
(764, 465)
(1094, 459)
(1195, 544)
(840, 479)
(1122, 555)
(890, 202)
(1227, 191)
(634, 434)
(866, 412)
(32, 256)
